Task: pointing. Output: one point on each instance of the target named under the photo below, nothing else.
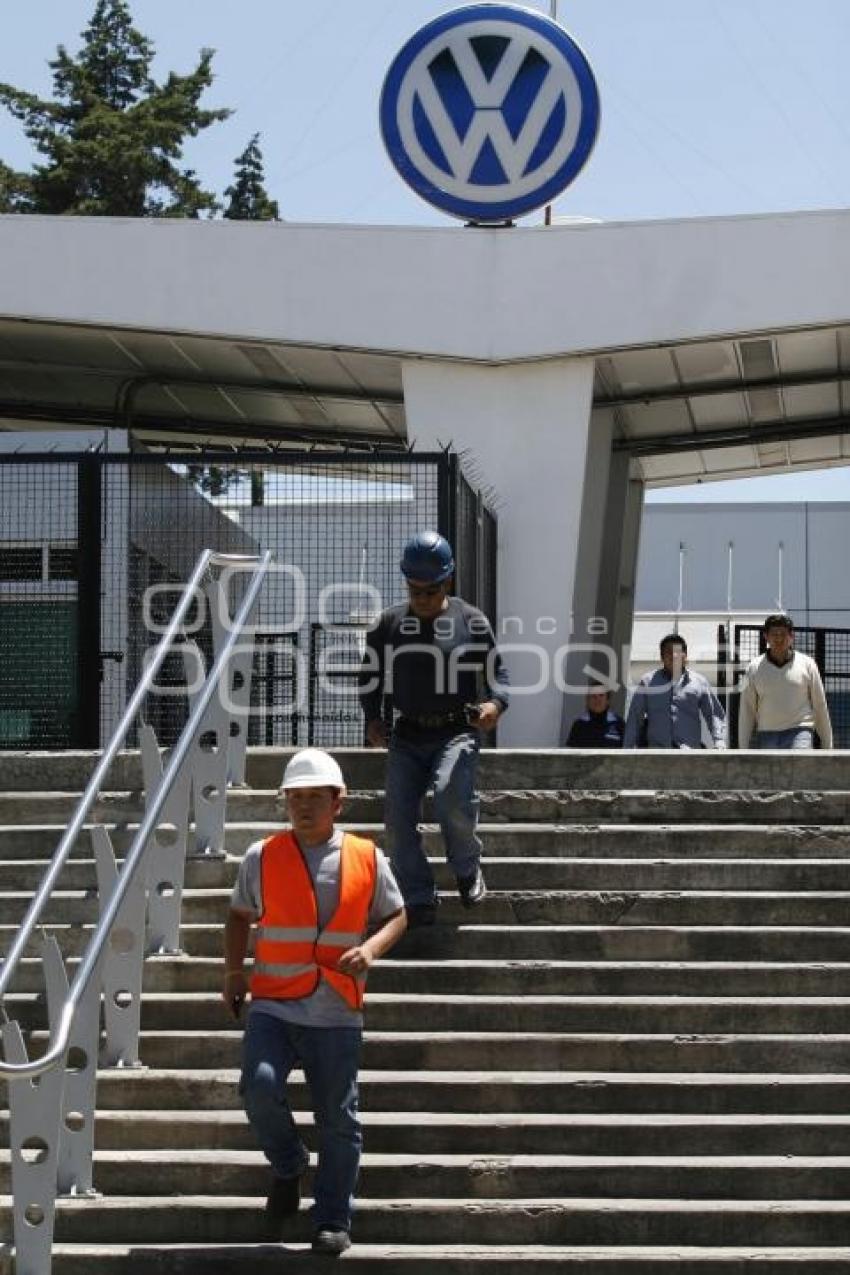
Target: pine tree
(13, 187)
(248, 198)
(112, 138)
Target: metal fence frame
(460, 510)
(820, 643)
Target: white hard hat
(313, 768)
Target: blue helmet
(428, 556)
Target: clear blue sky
(709, 107)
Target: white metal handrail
(136, 852)
(52, 1118)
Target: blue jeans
(796, 737)
(329, 1057)
(413, 766)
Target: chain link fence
(94, 548)
(829, 648)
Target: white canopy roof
(722, 345)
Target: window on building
(62, 562)
(20, 562)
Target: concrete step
(647, 806)
(416, 1132)
(540, 1051)
(444, 1259)
(27, 874)
(534, 873)
(634, 1015)
(553, 907)
(623, 907)
(573, 1080)
(524, 840)
(524, 978)
(559, 805)
(469, 1177)
(624, 942)
(651, 1095)
(501, 769)
(537, 1220)
(511, 942)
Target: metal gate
(93, 549)
(829, 648)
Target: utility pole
(553, 14)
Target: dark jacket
(430, 667)
(597, 730)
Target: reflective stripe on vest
(291, 955)
(287, 933)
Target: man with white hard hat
(314, 893)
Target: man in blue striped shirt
(669, 706)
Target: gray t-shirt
(325, 1008)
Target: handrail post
(123, 960)
(37, 1107)
(210, 761)
(219, 758)
(35, 1113)
(166, 858)
(242, 665)
(76, 1133)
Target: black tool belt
(435, 721)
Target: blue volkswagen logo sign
(489, 111)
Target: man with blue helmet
(436, 658)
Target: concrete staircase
(633, 1057)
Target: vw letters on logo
(489, 112)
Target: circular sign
(489, 112)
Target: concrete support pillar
(619, 564)
(613, 542)
(528, 428)
(593, 538)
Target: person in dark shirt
(598, 726)
(436, 659)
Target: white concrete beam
(453, 292)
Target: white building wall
(809, 539)
(814, 587)
(700, 535)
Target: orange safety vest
(291, 956)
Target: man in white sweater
(782, 699)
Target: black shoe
(331, 1240)
(472, 889)
(284, 1197)
(420, 915)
